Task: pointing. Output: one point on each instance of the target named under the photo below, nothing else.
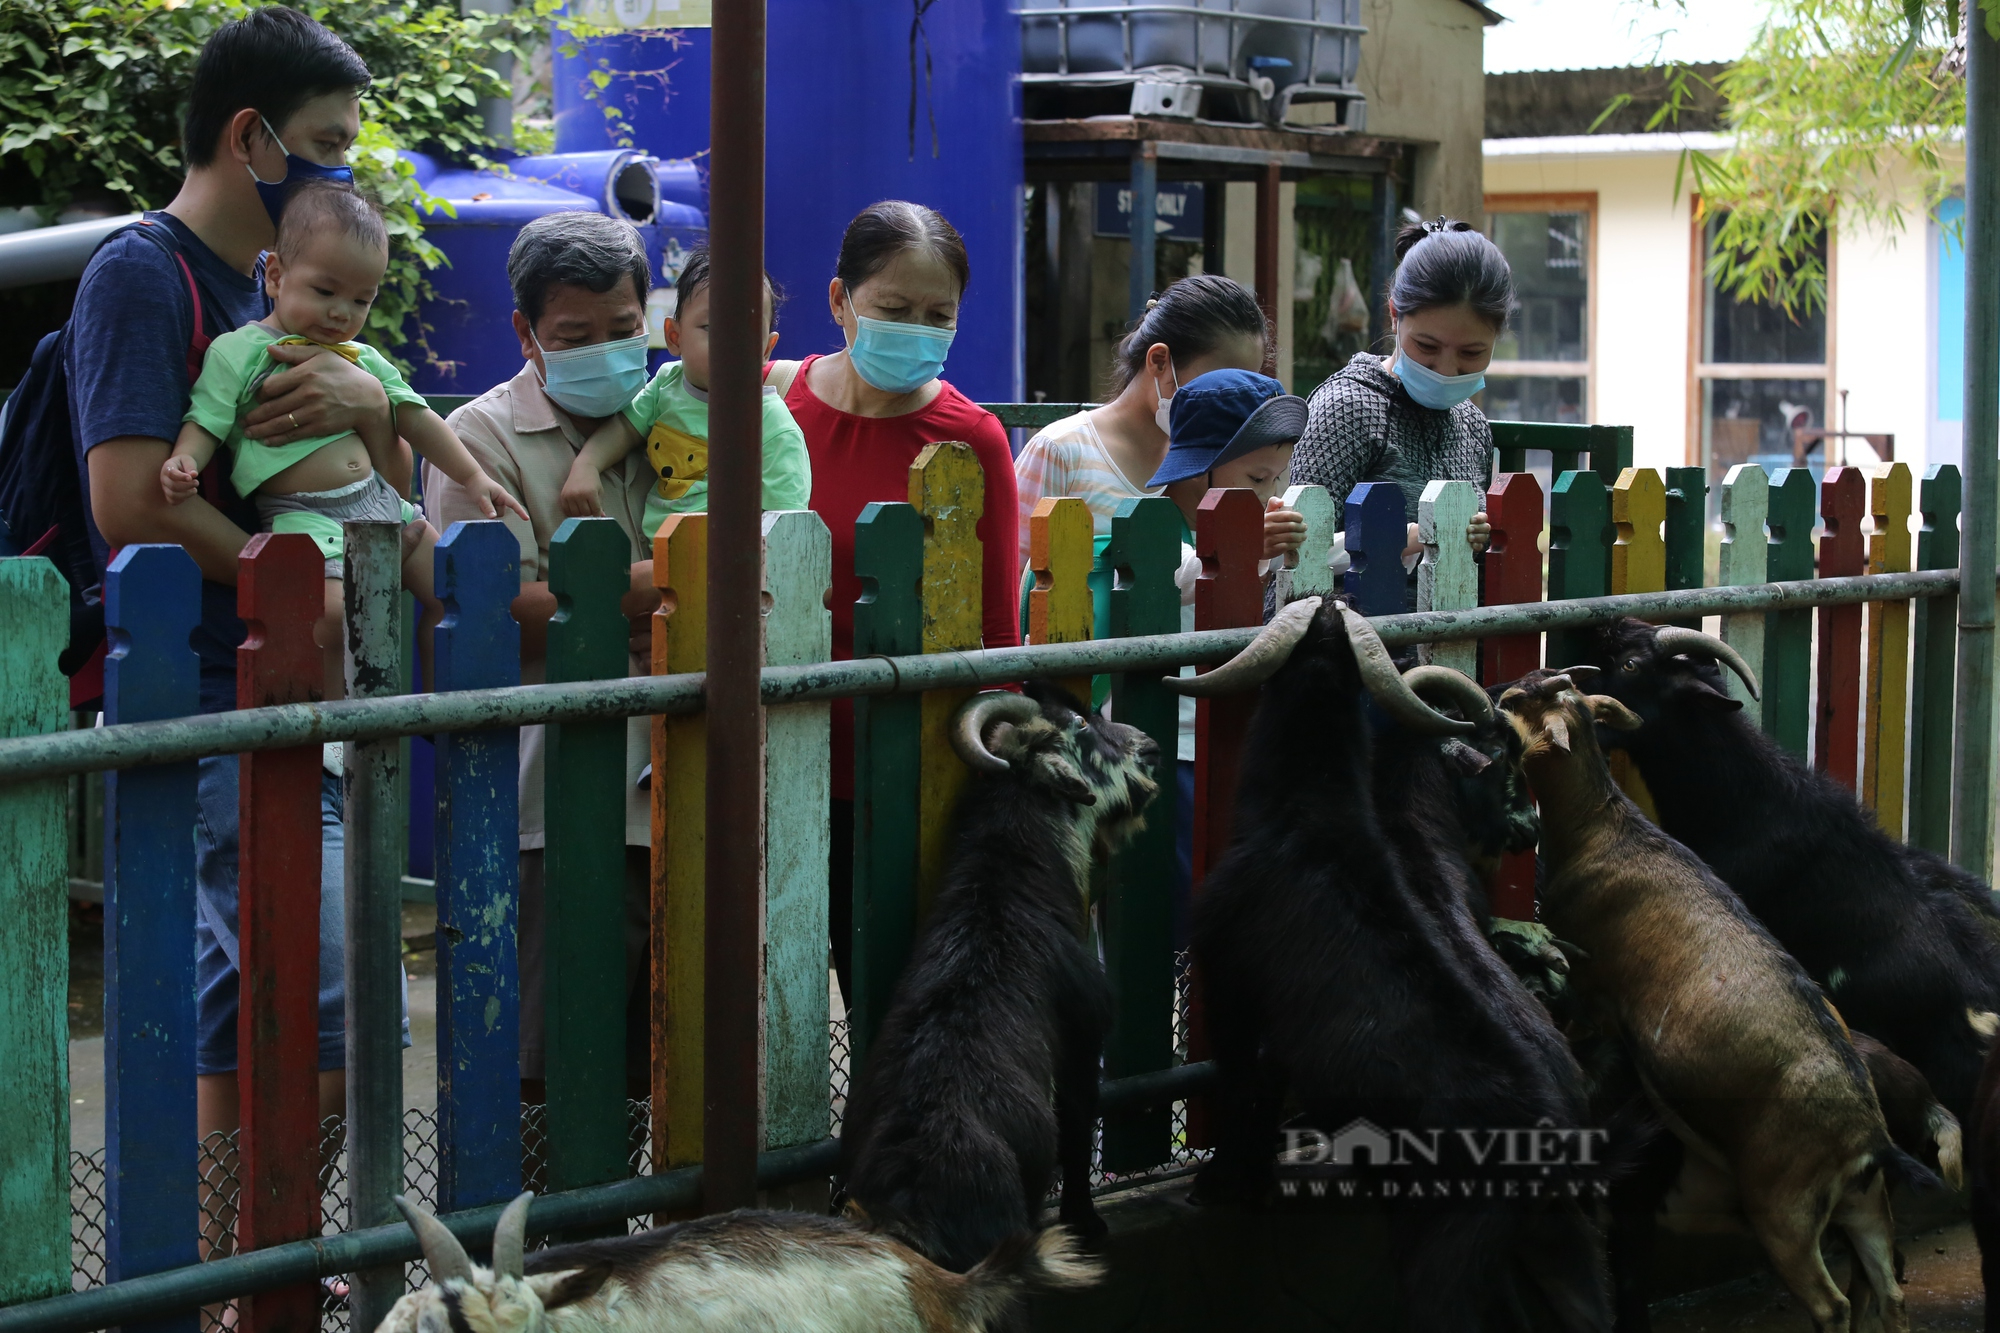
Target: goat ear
(1062, 775)
(1467, 760)
(1556, 729)
(1612, 713)
(567, 1288)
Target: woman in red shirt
(867, 411)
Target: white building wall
(1882, 334)
(1640, 278)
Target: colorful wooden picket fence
(1608, 530)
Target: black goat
(1327, 974)
(949, 1141)
(1900, 939)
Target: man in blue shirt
(275, 96)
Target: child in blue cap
(1228, 428)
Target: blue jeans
(216, 949)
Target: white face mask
(1162, 414)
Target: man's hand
(1284, 529)
(321, 394)
(179, 478)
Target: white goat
(744, 1272)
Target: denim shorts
(216, 955)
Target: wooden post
(1936, 651)
(1513, 573)
(34, 949)
(584, 980)
(798, 570)
(1377, 532)
(948, 489)
(1059, 553)
(1745, 551)
(1229, 537)
(280, 590)
(680, 814)
(375, 860)
(478, 877)
(1447, 578)
(1579, 555)
(1843, 551)
(1266, 277)
(1888, 652)
(1144, 552)
(888, 622)
(1788, 634)
(152, 602)
(1308, 571)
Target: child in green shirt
(670, 416)
(332, 250)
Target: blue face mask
(597, 380)
(897, 358)
(1431, 389)
(296, 169)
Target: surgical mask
(296, 169)
(897, 358)
(1164, 412)
(1431, 389)
(596, 380)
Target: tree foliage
(1847, 108)
(91, 98)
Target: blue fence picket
(152, 601)
(1377, 532)
(478, 646)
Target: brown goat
(1735, 1045)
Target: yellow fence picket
(1888, 686)
(680, 805)
(1059, 552)
(949, 490)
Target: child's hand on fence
(579, 492)
(1479, 533)
(491, 497)
(1284, 529)
(179, 478)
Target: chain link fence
(220, 1187)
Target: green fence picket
(584, 798)
(34, 949)
(1144, 552)
(1933, 667)
(1687, 530)
(1793, 508)
(1580, 535)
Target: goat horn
(1679, 639)
(1391, 691)
(1584, 667)
(510, 1236)
(1258, 662)
(968, 728)
(443, 1255)
(1451, 687)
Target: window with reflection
(1541, 362)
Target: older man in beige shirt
(580, 280)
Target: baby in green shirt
(670, 417)
(331, 253)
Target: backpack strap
(780, 374)
(198, 342)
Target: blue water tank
(471, 336)
(845, 128)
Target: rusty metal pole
(734, 896)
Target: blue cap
(1226, 414)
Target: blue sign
(1177, 210)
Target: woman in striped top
(1103, 456)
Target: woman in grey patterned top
(1408, 418)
